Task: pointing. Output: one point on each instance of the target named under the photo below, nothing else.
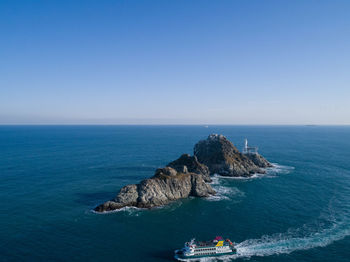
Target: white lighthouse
(249, 149)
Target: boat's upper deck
(217, 242)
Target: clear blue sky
(175, 62)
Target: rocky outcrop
(259, 160)
(187, 175)
(223, 158)
(166, 185)
(186, 163)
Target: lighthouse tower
(249, 149)
(245, 149)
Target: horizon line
(204, 125)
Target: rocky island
(189, 175)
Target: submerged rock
(223, 158)
(165, 186)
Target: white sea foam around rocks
(279, 169)
(223, 192)
(270, 173)
(129, 210)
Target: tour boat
(197, 249)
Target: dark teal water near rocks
(52, 176)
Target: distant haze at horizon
(175, 62)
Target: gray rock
(186, 163)
(223, 158)
(259, 160)
(128, 195)
(165, 186)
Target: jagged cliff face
(223, 158)
(186, 163)
(166, 185)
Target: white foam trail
(331, 226)
(285, 243)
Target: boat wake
(331, 226)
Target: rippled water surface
(52, 176)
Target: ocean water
(51, 177)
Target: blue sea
(51, 177)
